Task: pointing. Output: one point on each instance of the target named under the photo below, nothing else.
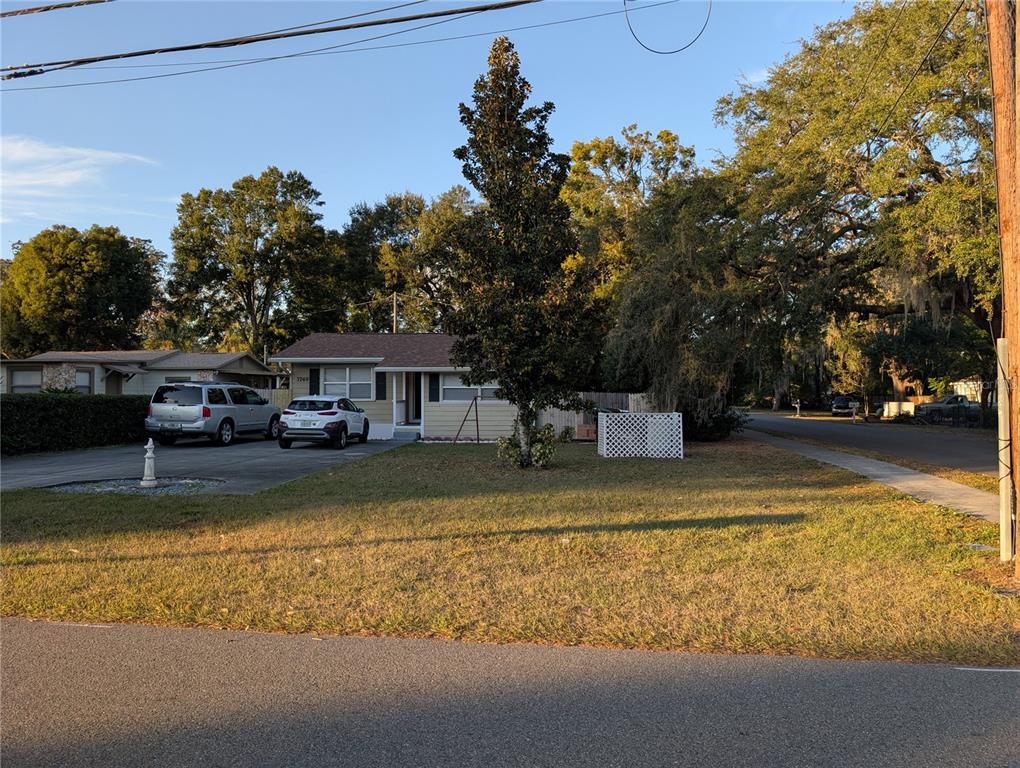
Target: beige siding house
(131, 372)
(405, 382)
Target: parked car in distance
(217, 410)
(945, 408)
(322, 419)
(845, 405)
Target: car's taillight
(327, 413)
(206, 412)
(148, 411)
(288, 413)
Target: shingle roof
(411, 350)
(208, 361)
(143, 356)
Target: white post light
(149, 477)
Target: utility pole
(394, 311)
(1002, 44)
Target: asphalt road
(247, 466)
(969, 449)
(140, 696)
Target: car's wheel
(363, 437)
(285, 443)
(167, 441)
(340, 441)
(273, 431)
(225, 433)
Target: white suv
(322, 419)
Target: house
(405, 382)
(131, 372)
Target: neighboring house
(403, 381)
(136, 372)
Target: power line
(53, 7)
(708, 15)
(330, 50)
(874, 64)
(26, 70)
(345, 18)
(242, 62)
(917, 71)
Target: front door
(114, 383)
(414, 399)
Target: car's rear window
(311, 405)
(178, 395)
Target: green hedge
(30, 423)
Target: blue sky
(358, 124)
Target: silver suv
(217, 410)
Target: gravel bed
(169, 486)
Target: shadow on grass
(564, 530)
(464, 476)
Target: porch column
(393, 397)
(424, 402)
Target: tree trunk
(526, 417)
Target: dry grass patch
(740, 548)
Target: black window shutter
(433, 387)
(380, 386)
(313, 381)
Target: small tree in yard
(521, 301)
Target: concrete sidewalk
(924, 487)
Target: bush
(30, 423)
(714, 426)
(543, 446)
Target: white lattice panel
(641, 435)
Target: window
(311, 405)
(251, 397)
(83, 381)
(360, 383)
(178, 395)
(355, 383)
(26, 381)
(238, 396)
(216, 396)
(455, 390)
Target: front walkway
(935, 490)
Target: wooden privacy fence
(584, 423)
(278, 397)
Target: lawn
(740, 548)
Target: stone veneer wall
(59, 376)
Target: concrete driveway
(969, 449)
(247, 466)
(96, 695)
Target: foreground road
(138, 696)
(969, 449)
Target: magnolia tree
(519, 298)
